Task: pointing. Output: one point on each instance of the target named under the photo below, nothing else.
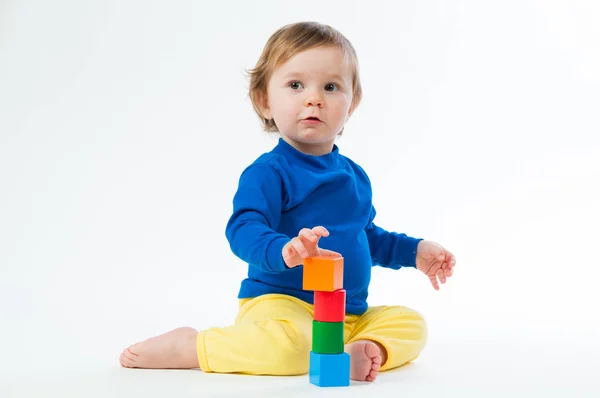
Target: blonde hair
(286, 43)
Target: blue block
(329, 370)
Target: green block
(328, 337)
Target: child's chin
(315, 136)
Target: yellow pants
(272, 335)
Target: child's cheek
(294, 114)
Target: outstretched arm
(390, 249)
(395, 250)
(251, 229)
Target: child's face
(317, 83)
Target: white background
(124, 127)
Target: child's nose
(313, 99)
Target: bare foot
(173, 350)
(365, 360)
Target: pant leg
(400, 330)
(271, 336)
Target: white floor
(121, 149)
(539, 367)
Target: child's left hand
(435, 262)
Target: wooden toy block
(329, 364)
(323, 273)
(328, 337)
(330, 306)
(329, 370)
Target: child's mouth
(312, 120)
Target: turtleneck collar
(325, 162)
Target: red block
(330, 306)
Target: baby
(304, 198)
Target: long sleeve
(251, 229)
(390, 249)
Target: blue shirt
(285, 190)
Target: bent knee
(421, 330)
(417, 324)
(292, 349)
(411, 323)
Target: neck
(318, 149)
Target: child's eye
(295, 85)
(331, 86)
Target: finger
(442, 254)
(434, 266)
(299, 247)
(291, 256)
(329, 253)
(308, 238)
(434, 282)
(452, 260)
(321, 231)
(441, 275)
(436, 252)
(292, 251)
(288, 251)
(448, 272)
(308, 234)
(311, 247)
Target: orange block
(324, 274)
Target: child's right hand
(306, 244)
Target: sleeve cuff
(408, 251)
(274, 260)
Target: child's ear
(353, 107)
(264, 107)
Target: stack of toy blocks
(329, 364)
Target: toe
(375, 367)
(125, 362)
(377, 360)
(371, 350)
(132, 350)
(126, 355)
(373, 374)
